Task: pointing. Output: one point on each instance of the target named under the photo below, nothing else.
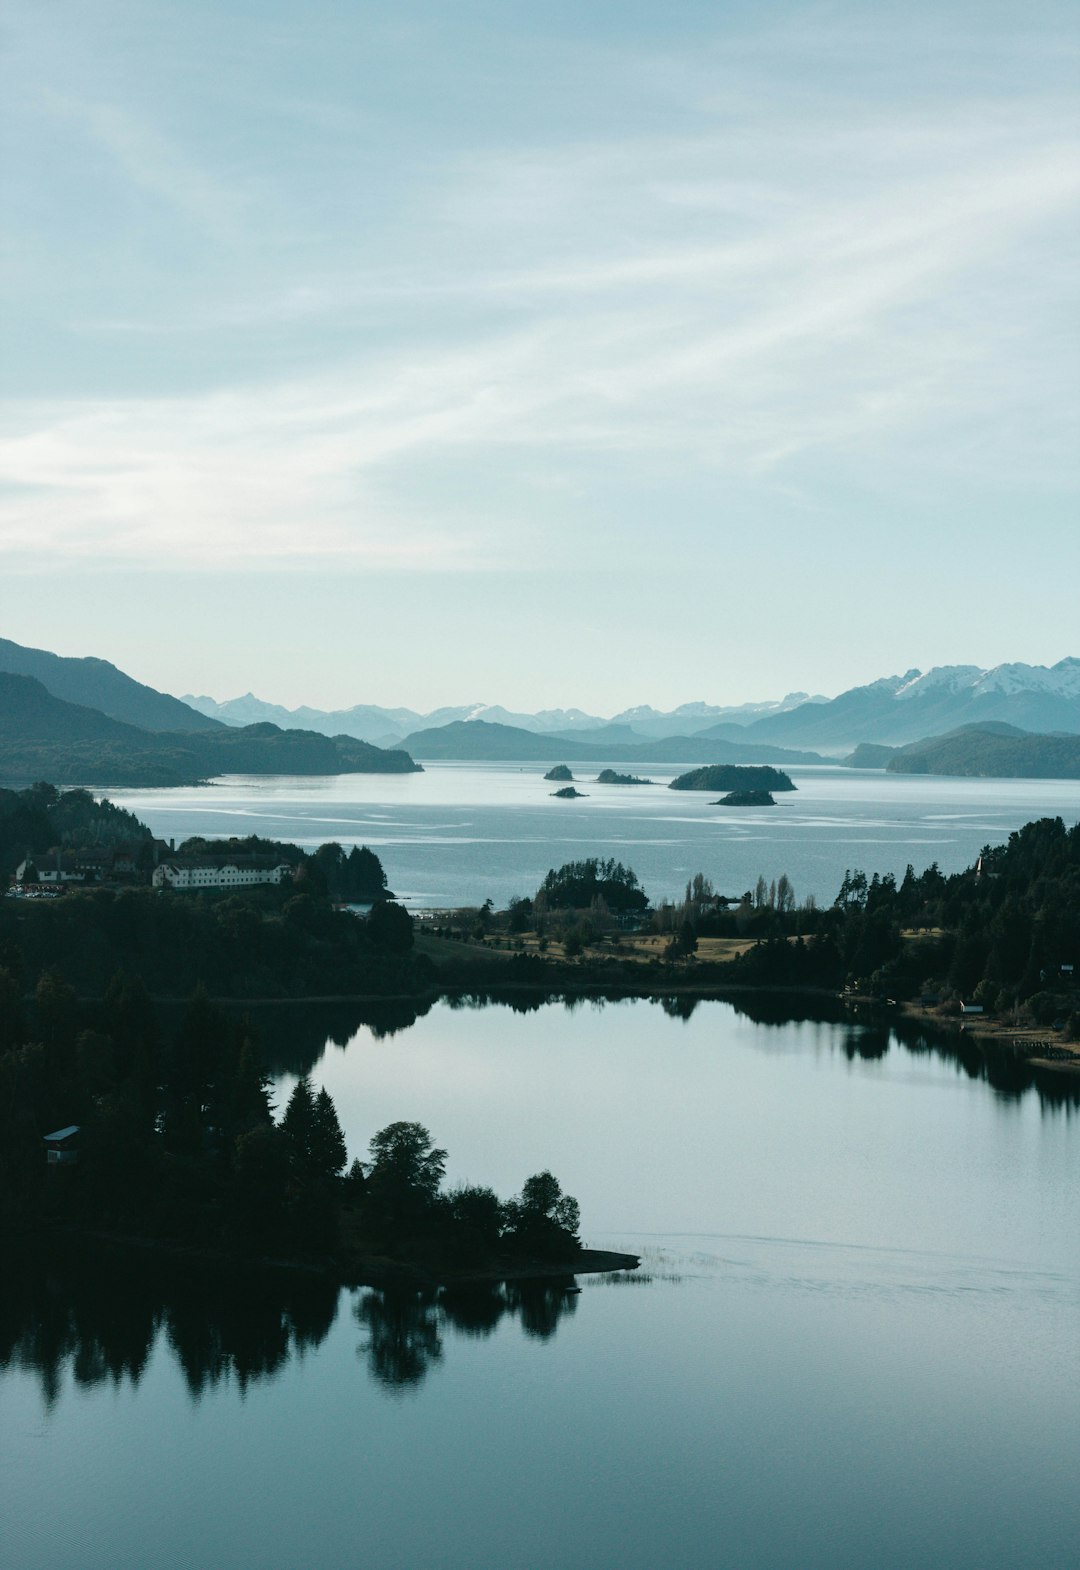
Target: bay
(458, 834)
(852, 1341)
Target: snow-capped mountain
(893, 709)
(689, 719)
(900, 709)
(1061, 680)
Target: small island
(745, 798)
(559, 772)
(734, 777)
(568, 793)
(610, 777)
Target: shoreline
(1065, 1056)
(380, 1272)
(1067, 1053)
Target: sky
(579, 354)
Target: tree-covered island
(612, 777)
(734, 777)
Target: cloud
(779, 285)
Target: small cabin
(971, 1008)
(62, 1146)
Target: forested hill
(43, 737)
(997, 752)
(98, 685)
(43, 819)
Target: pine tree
(299, 1122)
(327, 1153)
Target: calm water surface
(461, 833)
(853, 1341)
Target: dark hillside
(29, 712)
(43, 737)
(98, 685)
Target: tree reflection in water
(404, 1325)
(99, 1317)
(95, 1319)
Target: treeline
(1004, 933)
(263, 942)
(579, 884)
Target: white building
(200, 872)
(49, 869)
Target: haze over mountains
(893, 710)
(84, 720)
(382, 726)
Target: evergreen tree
(327, 1153)
(298, 1124)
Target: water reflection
(97, 1319)
(403, 1337)
(866, 1033)
(293, 1036)
(405, 1325)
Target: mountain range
(390, 726)
(893, 710)
(197, 736)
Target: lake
(852, 1342)
(462, 833)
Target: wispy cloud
(760, 290)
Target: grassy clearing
(637, 948)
